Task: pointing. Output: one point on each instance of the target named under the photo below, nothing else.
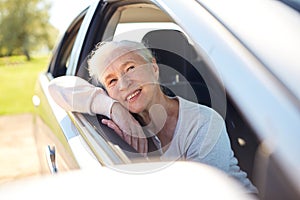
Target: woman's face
(132, 81)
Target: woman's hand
(124, 124)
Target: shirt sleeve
(73, 93)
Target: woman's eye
(112, 82)
(130, 68)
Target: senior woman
(130, 75)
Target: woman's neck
(161, 105)
(161, 118)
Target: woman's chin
(136, 109)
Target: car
(240, 58)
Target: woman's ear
(156, 68)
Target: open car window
(183, 72)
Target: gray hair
(108, 51)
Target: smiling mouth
(133, 95)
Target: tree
(25, 26)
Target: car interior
(183, 72)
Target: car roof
(269, 29)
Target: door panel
(48, 132)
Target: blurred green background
(18, 77)
(26, 40)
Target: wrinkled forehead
(108, 53)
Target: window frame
(62, 54)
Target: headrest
(179, 64)
(169, 40)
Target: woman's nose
(124, 82)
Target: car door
(57, 137)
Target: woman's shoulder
(194, 110)
(198, 124)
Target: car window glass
(60, 61)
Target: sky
(63, 12)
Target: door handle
(51, 159)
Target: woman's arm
(75, 94)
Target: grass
(17, 81)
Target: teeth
(133, 95)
